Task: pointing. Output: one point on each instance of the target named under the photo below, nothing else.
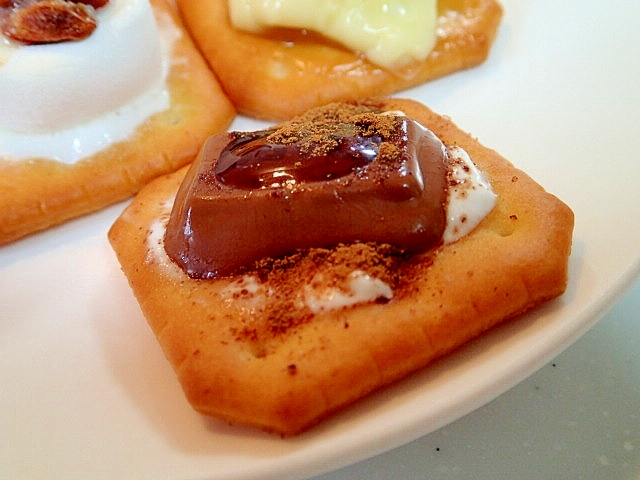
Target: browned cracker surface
(265, 366)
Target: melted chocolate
(255, 195)
(251, 161)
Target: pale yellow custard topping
(389, 33)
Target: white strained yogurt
(359, 287)
(65, 101)
(470, 196)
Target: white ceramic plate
(86, 393)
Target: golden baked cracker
(271, 79)
(247, 361)
(36, 194)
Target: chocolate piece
(373, 178)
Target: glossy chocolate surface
(365, 178)
(251, 161)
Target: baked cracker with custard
(37, 193)
(259, 341)
(284, 72)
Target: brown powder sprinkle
(320, 268)
(387, 152)
(319, 130)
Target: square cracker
(38, 193)
(233, 366)
(275, 78)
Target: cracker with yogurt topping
(281, 72)
(46, 176)
(292, 339)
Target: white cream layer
(470, 196)
(359, 287)
(389, 33)
(68, 100)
